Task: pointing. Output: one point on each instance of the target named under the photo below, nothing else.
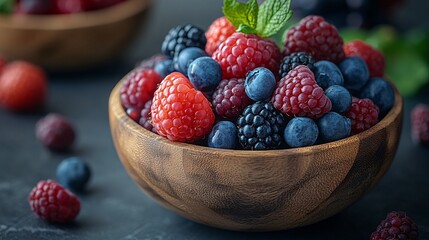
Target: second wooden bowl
(255, 190)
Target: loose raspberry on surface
(363, 113)
(179, 112)
(397, 225)
(217, 33)
(53, 203)
(298, 94)
(420, 124)
(229, 98)
(55, 132)
(317, 37)
(373, 58)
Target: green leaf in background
(273, 15)
(241, 13)
(6, 6)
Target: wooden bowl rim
(119, 113)
(88, 19)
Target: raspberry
(397, 225)
(145, 117)
(241, 53)
(2, 64)
(139, 87)
(229, 98)
(372, 57)
(298, 94)
(363, 113)
(260, 127)
(420, 124)
(23, 87)
(217, 33)
(179, 112)
(317, 37)
(53, 203)
(294, 60)
(182, 37)
(55, 132)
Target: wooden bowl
(255, 190)
(71, 42)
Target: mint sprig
(6, 6)
(264, 20)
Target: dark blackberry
(295, 59)
(261, 127)
(181, 37)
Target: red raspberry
(69, 6)
(363, 113)
(179, 112)
(397, 225)
(298, 94)
(53, 203)
(138, 87)
(217, 33)
(55, 132)
(420, 124)
(373, 58)
(317, 37)
(145, 117)
(241, 53)
(229, 98)
(2, 64)
(23, 87)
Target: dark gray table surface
(114, 208)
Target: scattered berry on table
(298, 94)
(181, 37)
(333, 126)
(294, 60)
(186, 57)
(420, 124)
(372, 57)
(53, 203)
(327, 74)
(217, 33)
(223, 135)
(23, 87)
(180, 112)
(317, 37)
(205, 74)
(260, 84)
(261, 127)
(340, 97)
(55, 132)
(355, 73)
(397, 225)
(363, 113)
(381, 93)
(164, 67)
(74, 174)
(230, 99)
(145, 117)
(301, 132)
(241, 53)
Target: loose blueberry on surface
(73, 173)
(340, 97)
(205, 74)
(260, 84)
(327, 74)
(333, 126)
(355, 73)
(164, 67)
(301, 132)
(381, 93)
(186, 57)
(223, 135)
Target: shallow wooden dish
(74, 41)
(255, 190)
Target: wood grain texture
(74, 41)
(255, 190)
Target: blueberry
(355, 73)
(73, 173)
(164, 67)
(340, 97)
(223, 135)
(186, 57)
(205, 73)
(333, 126)
(327, 74)
(260, 84)
(381, 93)
(301, 132)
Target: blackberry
(181, 37)
(261, 127)
(294, 60)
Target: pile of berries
(233, 87)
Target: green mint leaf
(241, 13)
(272, 16)
(243, 28)
(6, 6)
